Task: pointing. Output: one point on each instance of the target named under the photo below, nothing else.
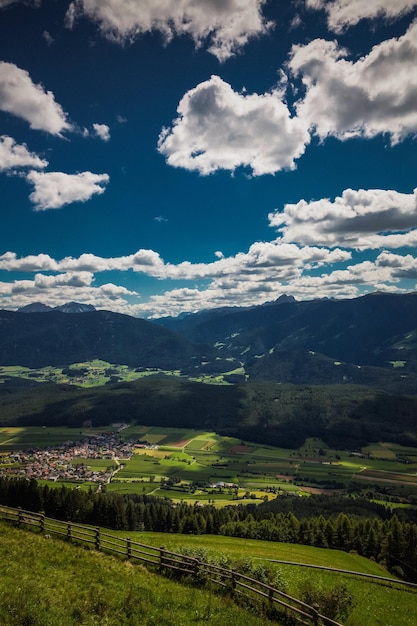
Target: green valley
(188, 465)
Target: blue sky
(158, 157)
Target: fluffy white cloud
(23, 98)
(31, 263)
(308, 236)
(263, 258)
(56, 189)
(244, 290)
(70, 279)
(362, 219)
(249, 291)
(345, 283)
(245, 280)
(401, 266)
(261, 274)
(62, 288)
(102, 131)
(344, 13)
(218, 128)
(14, 155)
(227, 26)
(376, 94)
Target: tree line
(372, 530)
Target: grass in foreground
(47, 582)
(51, 582)
(374, 603)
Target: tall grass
(47, 582)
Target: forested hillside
(56, 338)
(344, 416)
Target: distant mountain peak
(35, 307)
(75, 307)
(284, 298)
(68, 307)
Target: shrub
(334, 602)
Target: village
(69, 461)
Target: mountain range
(371, 340)
(344, 371)
(56, 338)
(69, 307)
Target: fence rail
(162, 560)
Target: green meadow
(375, 603)
(96, 373)
(100, 590)
(122, 593)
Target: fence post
(97, 541)
(196, 569)
(69, 531)
(42, 522)
(129, 547)
(233, 579)
(19, 516)
(161, 557)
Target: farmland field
(187, 464)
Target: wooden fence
(241, 587)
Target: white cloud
(48, 38)
(269, 258)
(376, 94)
(218, 128)
(14, 155)
(344, 13)
(57, 290)
(56, 189)
(362, 219)
(267, 271)
(23, 98)
(308, 235)
(71, 279)
(31, 263)
(102, 131)
(227, 26)
(401, 266)
(228, 290)
(247, 291)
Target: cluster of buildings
(69, 461)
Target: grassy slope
(52, 583)
(100, 589)
(376, 604)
